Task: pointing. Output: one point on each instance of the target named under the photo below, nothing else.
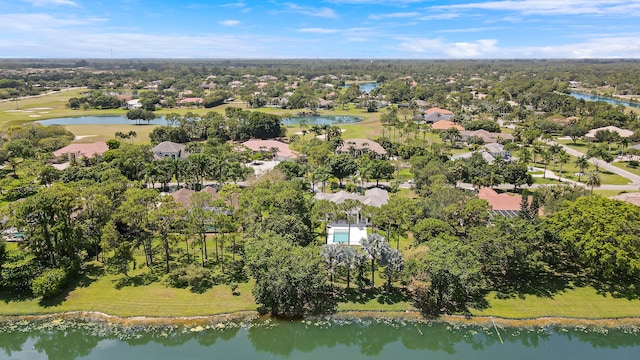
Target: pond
(116, 120)
(590, 97)
(98, 120)
(316, 339)
(321, 120)
(367, 87)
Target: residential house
(436, 114)
(190, 101)
(504, 204)
(347, 232)
(446, 125)
(282, 151)
(486, 136)
(74, 151)
(622, 132)
(133, 104)
(359, 147)
(169, 149)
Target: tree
(563, 158)
(516, 175)
(603, 237)
(290, 280)
(46, 218)
(524, 155)
(574, 132)
(377, 170)
(199, 219)
(342, 166)
(593, 180)
(350, 259)
(445, 276)
(582, 163)
(393, 262)
(330, 253)
(140, 114)
(373, 247)
(165, 220)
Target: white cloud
(230, 22)
(446, 16)
(51, 2)
(611, 46)
(554, 7)
(396, 15)
(239, 4)
(376, 2)
(473, 29)
(311, 11)
(318, 30)
(39, 22)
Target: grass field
(573, 302)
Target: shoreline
(415, 316)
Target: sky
(376, 29)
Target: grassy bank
(99, 292)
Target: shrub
(351, 187)
(194, 276)
(50, 283)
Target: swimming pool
(341, 237)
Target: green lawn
(98, 292)
(93, 133)
(625, 166)
(574, 302)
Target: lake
(590, 97)
(98, 120)
(115, 120)
(356, 339)
(321, 120)
(367, 87)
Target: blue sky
(411, 29)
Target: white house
(346, 234)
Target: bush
(633, 163)
(194, 276)
(50, 283)
(351, 187)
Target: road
(635, 179)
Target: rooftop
(88, 149)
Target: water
(313, 340)
(115, 120)
(99, 120)
(367, 87)
(321, 120)
(590, 97)
(341, 237)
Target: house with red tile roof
(77, 151)
(446, 125)
(265, 146)
(191, 101)
(504, 204)
(439, 111)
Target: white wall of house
(356, 233)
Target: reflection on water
(358, 339)
(321, 120)
(590, 97)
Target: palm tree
(350, 259)
(593, 180)
(373, 246)
(547, 156)
(537, 150)
(524, 155)
(330, 253)
(582, 163)
(563, 158)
